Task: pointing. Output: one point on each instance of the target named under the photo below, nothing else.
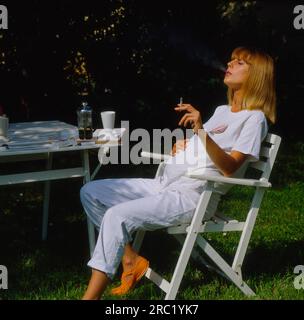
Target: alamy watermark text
(3, 17)
(3, 277)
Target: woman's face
(236, 74)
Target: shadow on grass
(38, 270)
(274, 258)
(267, 260)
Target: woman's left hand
(192, 116)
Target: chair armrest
(156, 156)
(244, 182)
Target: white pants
(118, 207)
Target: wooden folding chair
(191, 234)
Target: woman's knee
(90, 189)
(85, 190)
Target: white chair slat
(266, 152)
(259, 165)
(225, 218)
(272, 138)
(208, 226)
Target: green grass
(57, 268)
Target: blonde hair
(259, 88)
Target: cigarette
(181, 100)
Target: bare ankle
(129, 260)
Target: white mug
(3, 126)
(108, 119)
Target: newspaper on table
(39, 135)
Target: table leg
(102, 151)
(46, 199)
(87, 178)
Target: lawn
(56, 269)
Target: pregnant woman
(223, 145)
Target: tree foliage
(139, 57)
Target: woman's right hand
(179, 146)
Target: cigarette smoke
(183, 40)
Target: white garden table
(30, 141)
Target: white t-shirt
(241, 131)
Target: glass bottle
(84, 117)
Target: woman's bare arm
(226, 163)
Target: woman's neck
(237, 101)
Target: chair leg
(195, 254)
(91, 236)
(181, 266)
(224, 266)
(139, 237)
(189, 243)
(248, 228)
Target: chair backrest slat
(269, 152)
(266, 151)
(272, 138)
